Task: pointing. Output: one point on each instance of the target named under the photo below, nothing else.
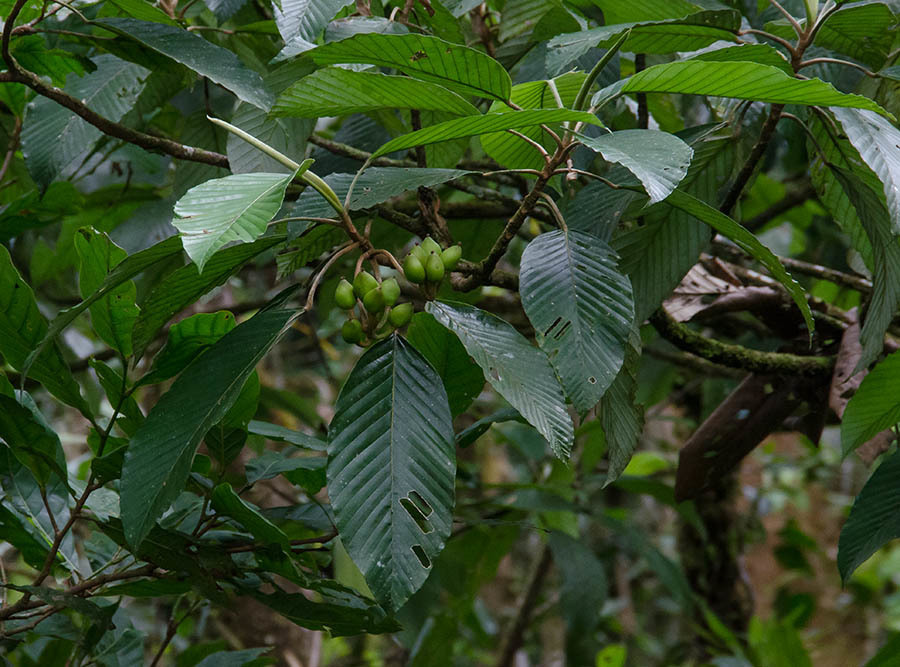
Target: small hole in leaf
(559, 334)
(416, 515)
(592, 380)
(421, 503)
(424, 560)
(552, 326)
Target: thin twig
(310, 299)
(838, 61)
(794, 23)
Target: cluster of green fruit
(379, 309)
(427, 263)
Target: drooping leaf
(185, 285)
(338, 610)
(233, 658)
(187, 339)
(226, 501)
(30, 438)
(741, 80)
(470, 126)
(470, 434)
(581, 309)
(747, 242)
(877, 141)
(22, 330)
(875, 406)
(453, 66)
(300, 22)
(582, 587)
(462, 378)
(874, 518)
(53, 136)
(658, 159)
(113, 315)
(334, 91)
(272, 464)
(287, 136)
(520, 372)
(282, 434)
(620, 416)
(391, 468)
(113, 384)
(159, 456)
(234, 208)
(217, 64)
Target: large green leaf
(741, 80)
(581, 309)
(874, 518)
(301, 21)
(185, 285)
(159, 455)
(234, 208)
(658, 159)
(622, 419)
(454, 66)
(286, 135)
(374, 185)
(113, 315)
(730, 229)
(877, 141)
(391, 468)
(762, 54)
(187, 339)
(53, 136)
(885, 299)
(471, 126)
(520, 372)
(22, 330)
(226, 501)
(334, 91)
(463, 379)
(217, 64)
(875, 406)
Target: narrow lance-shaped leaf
(875, 406)
(659, 160)
(159, 456)
(235, 208)
(727, 227)
(520, 372)
(454, 66)
(113, 315)
(391, 468)
(227, 502)
(581, 309)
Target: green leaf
(282, 434)
(620, 416)
(53, 136)
(471, 126)
(272, 464)
(762, 54)
(130, 415)
(233, 658)
(864, 31)
(885, 299)
(22, 332)
(113, 315)
(659, 160)
(301, 21)
(187, 340)
(462, 378)
(217, 64)
(391, 468)
(374, 185)
(185, 285)
(741, 80)
(581, 309)
(877, 141)
(582, 588)
(226, 501)
(469, 435)
(287, 136)
(32, 54)
(31, 439)
(519, 372)
(874, 407)
(159, 456)
(874, 518)
(310, 246)
(334, 91)
(747, 242)
(453, 66)
(339, 610)
(234, 208)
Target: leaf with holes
(581, 309)
(658, 159)
(391, 468)
(520, 372)
(454, 66)
(234, 208)
(875, 406)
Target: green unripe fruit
(434, 269)
(352, 331)
(400, 315)
(344, 296)
(429, 245)
(451, 256)
(419, 253)
(390, 288)
(374, 301)
(413, 269)
(363, 283)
